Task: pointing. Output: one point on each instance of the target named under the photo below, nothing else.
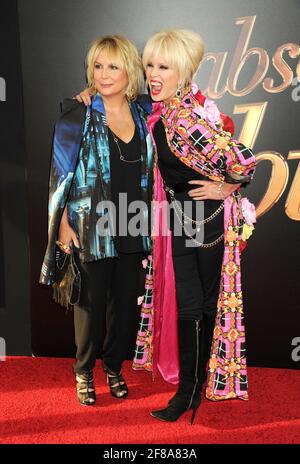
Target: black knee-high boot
(208, 325)
(190, 378)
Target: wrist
(220, 190)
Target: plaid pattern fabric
(227, 369)
(204, 146)
(143, 350)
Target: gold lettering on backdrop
(253, 121)
(255, 112)
(282, 67)
(280, 169)
(214, 80)
(277, 183)
(292, 205)
(241, 56)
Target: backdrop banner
(250, 69)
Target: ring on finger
(62, 245)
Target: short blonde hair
(181, 48)
(127, 57)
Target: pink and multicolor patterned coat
(201, 138)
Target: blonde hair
(181, 48)
(127, 57)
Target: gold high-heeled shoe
(85, 388)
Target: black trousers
(198, 270)
(107, 314)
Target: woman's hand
(84, 97)
(66, 235)
(210, 190)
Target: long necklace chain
(199, 244)
(179, 213)
(121, 156)
(187, 218)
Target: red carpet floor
(38, 405)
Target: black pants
(107, 316)
(198, 270)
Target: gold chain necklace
(121, 156)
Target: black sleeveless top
(125, 178)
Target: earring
(129, 94)
(179, 91)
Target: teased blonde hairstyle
(126, 56)
(182, 49)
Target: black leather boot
(208, 325)
(190, 383)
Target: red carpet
(38, 405)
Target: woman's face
(162, 79)
(110, 79)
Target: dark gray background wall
(14, 253)
(54, 38)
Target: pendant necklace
(122, 158)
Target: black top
(125, 178)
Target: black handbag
(66, 289)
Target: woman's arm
(211, 190)
(236, 161)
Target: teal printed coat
(80, 178)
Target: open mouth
(155, 87)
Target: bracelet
(220, 191)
